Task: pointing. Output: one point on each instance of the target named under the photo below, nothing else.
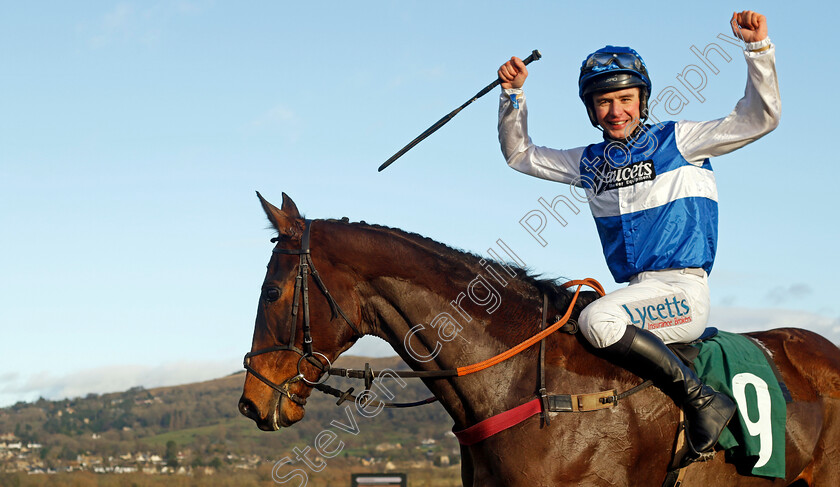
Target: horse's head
(294, 340)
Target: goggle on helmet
(613, 68)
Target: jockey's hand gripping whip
(535, 54)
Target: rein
(477, 432)
(563, 324)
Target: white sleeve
(755, 115)
(521, 153)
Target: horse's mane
(551, 287)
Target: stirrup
(692, 456)
(684, 452)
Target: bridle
(306, 268)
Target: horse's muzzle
(274, 418)
(269, 422)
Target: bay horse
(384, 282)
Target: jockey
(652, 192)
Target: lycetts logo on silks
(628, 175)
(659, 312)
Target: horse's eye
(271, 294)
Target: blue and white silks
(653, 209)
(659, 209)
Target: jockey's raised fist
(749, 26)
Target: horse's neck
(437, 315)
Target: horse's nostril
(245, 408)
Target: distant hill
(196, 429)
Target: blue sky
(134, 134)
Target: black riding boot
(707, 411)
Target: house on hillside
(88, 460)
(388, 446)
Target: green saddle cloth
(734, 364)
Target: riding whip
(535, 54)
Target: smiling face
(617, 112)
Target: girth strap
(581, 403)
(559, 403)
(500, 422)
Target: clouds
(118, 18)
(8, 376)
(5, 379)
(14, 387)
(127, 22)
(278, 119)
(123, 22)
(792, 292)
(756, 289)
(371, 346)
(415, 75)
(741, 320)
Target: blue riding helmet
(613, 68)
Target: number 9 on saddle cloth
(742, 368)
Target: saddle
(688, 352)
(729, 363)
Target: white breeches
(672, 304)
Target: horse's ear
(289, 207)
(281, 219)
